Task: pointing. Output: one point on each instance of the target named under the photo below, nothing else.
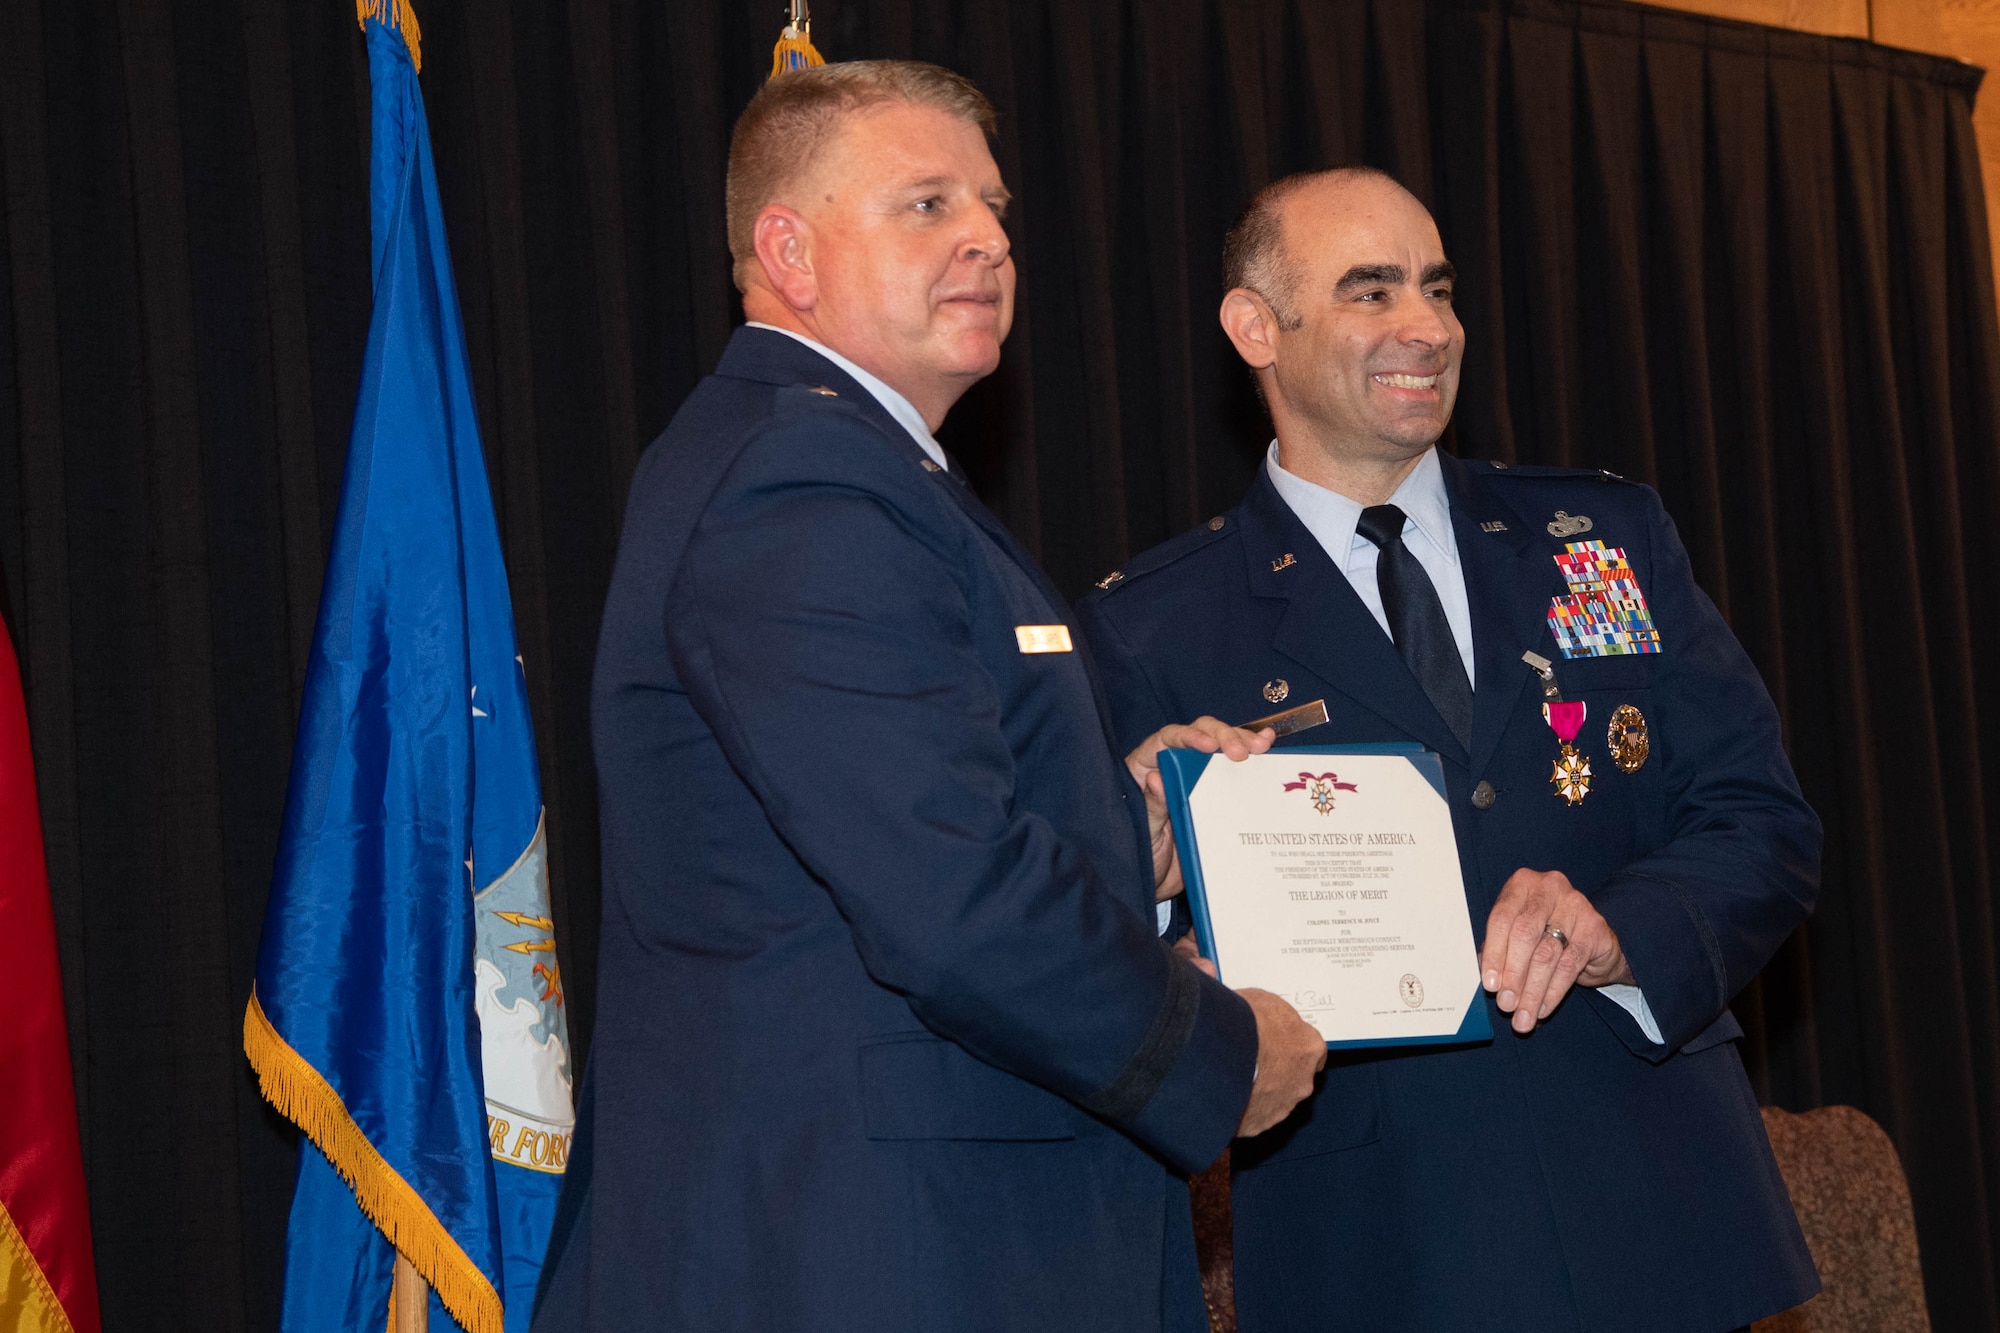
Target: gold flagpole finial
(795, 49)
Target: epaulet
(1531, 470)
(1166, 553)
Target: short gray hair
(795, 115)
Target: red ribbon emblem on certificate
(1320, 789)
(1571, 777)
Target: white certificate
(1329, 876)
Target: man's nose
(1428, 327)
(986, 243)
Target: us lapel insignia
(1604, 613)
(1285, 561)
(1562, 525)
(1111, 578)
(1628, 739)
(1492, 525)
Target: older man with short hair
(887, 1036)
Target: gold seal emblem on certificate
(1628, 739)
(1412, 990)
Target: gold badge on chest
(1628, 738)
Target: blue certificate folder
(1181, 769)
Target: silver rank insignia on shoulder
(1565, 526)
(1492, 525)
(1285, 561)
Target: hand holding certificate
(1329, 876)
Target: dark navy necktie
(1416, 620)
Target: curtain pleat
(1747, 266)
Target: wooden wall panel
(1967, 30)
(1970, 31)
(1838, 18)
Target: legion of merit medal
(1571, 776)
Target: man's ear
(1251, 326)
(782, 239)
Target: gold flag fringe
(395, 14)
(37, 1309)
(794, 50)
(305, 1098)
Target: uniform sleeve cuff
(1633, 1001)
(1671, 951)
(1193, 1114)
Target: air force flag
(408, 1011)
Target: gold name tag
(1043, 638)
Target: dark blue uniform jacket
(1580, 1177)
(886, 1038)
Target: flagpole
(410, 1297)
(795, 47)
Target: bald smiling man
(1600, 1163)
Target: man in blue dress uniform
(887, 1037)
(1634, 854)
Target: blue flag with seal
(407, 1012)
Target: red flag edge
(43, 1198)
(304, 1097)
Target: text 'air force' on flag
(408, 1008)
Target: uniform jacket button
(1483, 796)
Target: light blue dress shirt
(1331, 518)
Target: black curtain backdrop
(1748, 266)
